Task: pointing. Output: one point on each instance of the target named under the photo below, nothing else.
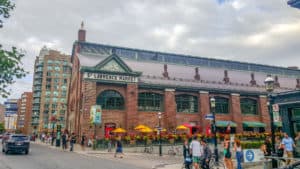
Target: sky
(256, 31)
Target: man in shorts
(196, 150)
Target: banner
(95, 114)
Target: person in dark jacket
(72, 141)
(187, 155)
(206, 154)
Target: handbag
(188, 159)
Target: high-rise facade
(11, 110)
(2, 110)
(50, 90)
(24, 112)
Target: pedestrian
(72, 141)
(119, 148)
(289, 145)
(109, 145)
(279, 148)
(297, 143)
(53, 138)
(187, 155)
(227, 153)
(196, 150)
(82, 143)
(266, 148)
(238, 153)
(206, 154)
(64, 141)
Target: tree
(10, 61)
(2, 129)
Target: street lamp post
(214, 128)
(159, 130)
(269, 84)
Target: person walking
(289, 145)
(238, 153)
(187, 155)
(227, 153)
(64, 141)
(72, 141)
(119, 148)
(206, 154)
(82, 143)
(297, 143)
(279, 148)
(196, 150)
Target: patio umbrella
(119, 130)
(162, 130)
(181, 127)
(141, 126)
(146, 130)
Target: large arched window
(187, 103)
(248, 106)
(110, 99)
(222, 105)
(150, 102)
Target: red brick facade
(24, 113)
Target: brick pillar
(131, 117)
(236, 111)
(89, 90)
(264, 112)
(204, 108)
(169, 117)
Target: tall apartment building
(11, 110)
(50, 90)
(24, 112)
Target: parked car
(16, 143)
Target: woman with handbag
(187, 155)
(239, 153)
(227, 153)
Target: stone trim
(203, 92)
(262, 96)
(169, 90)
(235, 94)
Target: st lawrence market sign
(102, 76)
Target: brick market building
(133, 85)
(24, 113)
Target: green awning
(253, 124)
(225, 123)
(278, 124)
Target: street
(41, 157)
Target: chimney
(276, 83)
(81, 33)
(197, 76)
(226, 78)
(253, 81)
(165, 73)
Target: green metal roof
(221, 123)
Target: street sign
(275, 107)
(209, 116)
(276, 117)
(253, 155)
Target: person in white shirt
(196, 150)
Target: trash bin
(268, 164)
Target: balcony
(37, 95)
(37, 88)
(36, 101)
(35, 123)
(39, 70)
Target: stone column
(237, 116)
(169, 116)
(204, 108)
(131, 117)
(264, 112)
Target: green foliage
(251, 144)
(2, 129)
(10, 69)
(5, 7)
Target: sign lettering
(102, 76)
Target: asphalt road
(41, 157)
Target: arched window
(187, 103)
(248, 106)
(150, 102)
(110, 99)
(222, 105)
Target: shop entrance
(295, 125)
(108, 127)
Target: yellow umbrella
(181, 127)
(146, 130)
(139, 127)
(119, 130)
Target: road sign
(253, 155)
(275, 107)
(209, 116)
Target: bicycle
(174, 150)
(213, 164)
(148, 149)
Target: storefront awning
(278, 124)
(253, 124)
(220, 123)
